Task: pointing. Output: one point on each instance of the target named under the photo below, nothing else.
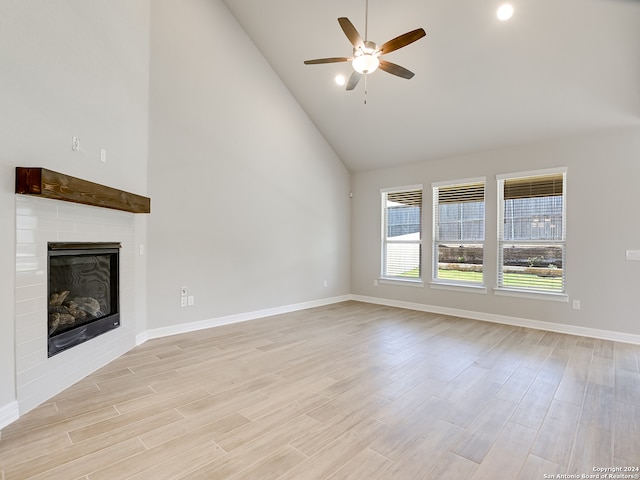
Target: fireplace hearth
(83, 292)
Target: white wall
(250, 205)
(602, 194)
(69, 68)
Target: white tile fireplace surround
(39, 221)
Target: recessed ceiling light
(505, 12)
(340, 80)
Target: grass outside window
(511, 280)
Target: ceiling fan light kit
(366, 54)
(365, 60)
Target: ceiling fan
(366, 54)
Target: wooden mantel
(48, 184)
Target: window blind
(471, 192)
(532, 187)
(411, 198)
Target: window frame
(396, 279)
(534, 293)
(437, 282)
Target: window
(531, 231)
(402, 233)
(458, 232)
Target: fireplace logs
(66, 312)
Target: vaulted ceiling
(556, 68)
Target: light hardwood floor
(347, 391)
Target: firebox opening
(83, 292)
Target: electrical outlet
(183, 301)
(75, 144)
(576, 304)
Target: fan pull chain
(365, 89)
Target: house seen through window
(402, 233)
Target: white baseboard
(142, 337)
(237, 318)
(9, 413)
(482, 316)
(503, 319)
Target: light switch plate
(633, 254)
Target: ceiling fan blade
(353, 80)
(402, 41)
(351, 32)
(327, 60)
(394, 69)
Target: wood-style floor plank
(345, 391)
(366, 464)
(507, 454)
(555, 437)
(593, 447)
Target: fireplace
(83, 292)
(53, 207)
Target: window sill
(553, 297)
(458, 287)
(406, 283)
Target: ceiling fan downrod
(366, 21)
